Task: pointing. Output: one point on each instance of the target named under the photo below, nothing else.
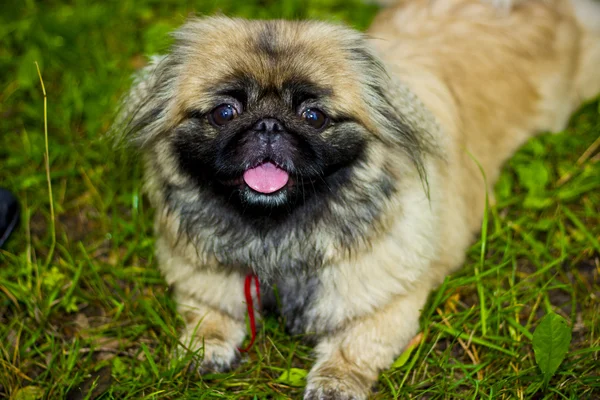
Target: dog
(347, 170)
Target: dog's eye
(315, 118)
(223, 114)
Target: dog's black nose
(268, 125)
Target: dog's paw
(219, 358)
(212, 356)
(331, 389)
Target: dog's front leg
(212, 304)
(350, 359)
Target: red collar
(250, 305)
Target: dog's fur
(398, 194)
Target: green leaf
(29, 393)
(119, 368)
(551, 341)
(537, 202)
(53, 278)
(534, 176)
(400, 361)
(293, 377)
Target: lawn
(85, 314)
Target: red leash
(250, 305)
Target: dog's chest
(292, 298)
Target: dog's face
(269, 125)
(267, 115)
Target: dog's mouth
(266, 178)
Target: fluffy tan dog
(340, 169)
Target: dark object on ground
(9, 214)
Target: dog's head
(266, 114)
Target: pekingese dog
(346, 170)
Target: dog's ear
(141, 115)
(398, 118)
(147, 109)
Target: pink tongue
(266, 178)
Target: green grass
(92, 318)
